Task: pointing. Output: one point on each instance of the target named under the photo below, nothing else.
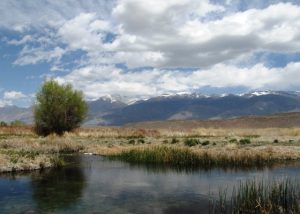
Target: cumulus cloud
(169, 34)
(172, 34)
(25, 15)
(102, 80)
(5, 103)
(30, 55)
(84, 32)
(162, 46)
(22, 41)
(13, 95)
(192, 42)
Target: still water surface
(90, 184)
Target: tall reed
(181, 156)
(262, 197)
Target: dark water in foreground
(93, 185)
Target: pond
(92, 184)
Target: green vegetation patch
(159, 154)
(244, 141)
(131, 141)
(57, 161)
(179, 156)
(191, 142)
(262, 197)
(142, 141)
(174, 140)
(205, 143)
(234, 140)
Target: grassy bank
(27, 153)
(261, 197)
(20, 160)
(21, 149)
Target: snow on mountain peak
(260, 93)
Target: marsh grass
(261, 197)
(180, 156)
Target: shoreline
(22, 150)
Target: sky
(138, 49)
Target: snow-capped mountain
(118, 110)
(198, 106)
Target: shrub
(174, 141)
(165, 141)
(245, 141)
(132, 141)
(205, 143)
(58, 108)
(276, 141)
(191, 142)
(233, 140)
(141, 141)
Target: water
(90, 184)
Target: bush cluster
(245, 141)
(194, 142)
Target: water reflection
(165, 168)
(58, 189)
(100, 186)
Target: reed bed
(276, 197)
(181, 156)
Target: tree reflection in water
(58, 189)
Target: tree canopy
(58, 108)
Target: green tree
(3, 123)
(58, 108)
(17, 123)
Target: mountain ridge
(113, 110)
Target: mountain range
(110, 110)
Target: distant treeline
(12, 123)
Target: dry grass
(223, 143)
(16, 131)
(211, 132)
(13, 161)
(123, 132)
